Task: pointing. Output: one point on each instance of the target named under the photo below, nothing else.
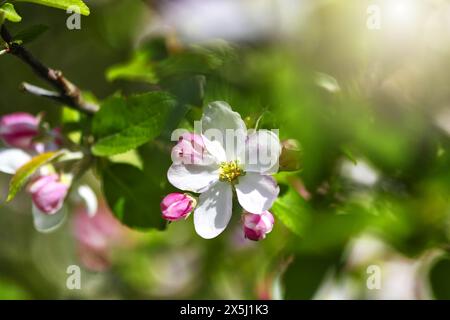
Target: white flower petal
(256, 193)
(214, 210)
(90, 198)
(191, 177)
(220, 123)
(215, 149)
(261, 152)
(46, 223)
(12, 159)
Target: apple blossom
(190, 149)
(46, 223)
(48, 193)
(177, 206)
(19, 129)
(224, 166)
(256, 226)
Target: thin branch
(69, 94)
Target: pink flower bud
(48, 193)
(19, 129)
(190, 149)
(256, 226)
(177, 206)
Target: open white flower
(243, 161)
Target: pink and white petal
(261, 152)
(12, 159)
(215, 149)
(46, 223)
(218, 118)
(190, 149)
(213, 212)
(256, 193)
(194, 178)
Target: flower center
(230, 171)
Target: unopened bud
(256, 226)
(177, 206)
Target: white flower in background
(232, 158)
(234, 20)
(12, 159)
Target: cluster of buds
(20, 132)
(179, 206)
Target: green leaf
(331, 231)
(10, 13)
(12, 291)
(292, 210)
(30, 34)
(305, 274)
(197, 60)
(134, 195)
(349, 154)
(138, 69)
(27, 170)
(62, 4)
(439, 280)
(123, 124)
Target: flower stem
(67, 92)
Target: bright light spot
(401, 13)
(442, 120)
(361, 173)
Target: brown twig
(67, 93)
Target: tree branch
(69, 94)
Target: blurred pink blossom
(98, 236)
(19, 129)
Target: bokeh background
(369, 106)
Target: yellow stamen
(230, 171)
